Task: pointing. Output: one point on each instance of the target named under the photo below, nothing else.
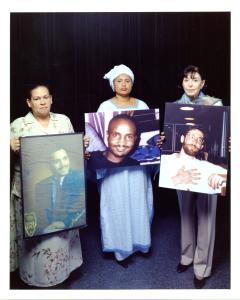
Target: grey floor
(158, 271)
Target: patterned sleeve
(69, 125)
(64, 123)
(15, 128)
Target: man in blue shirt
(60, 197)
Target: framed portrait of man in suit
(53, 183)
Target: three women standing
(126, 196)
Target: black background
(72, 52)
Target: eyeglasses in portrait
(195, 153)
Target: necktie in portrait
(56, 193)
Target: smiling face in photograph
(121, 139)
(193, 142)
(60, 163)
(193, 84)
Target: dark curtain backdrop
(72, 52)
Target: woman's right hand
(15, 144)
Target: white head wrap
(116, 71)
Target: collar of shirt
(58, 179)
(187, 100)
(29, 118)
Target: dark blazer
(63, 203)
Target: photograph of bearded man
(184, 171)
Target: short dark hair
(200, 128)
(124, 117)
(32, 86)
(191, 69)
(127, 117)
(53, 147)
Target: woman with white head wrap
(116, 71)
(121, 79)
(126, 204)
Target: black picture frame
(53, 183)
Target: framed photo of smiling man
(195, 155)
(123, 138)
(53, 183)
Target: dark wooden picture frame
(53, 183)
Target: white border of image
(124, 5)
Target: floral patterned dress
(47, 260)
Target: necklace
(123, 102)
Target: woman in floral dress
(47, 260)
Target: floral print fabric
(47, 260)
